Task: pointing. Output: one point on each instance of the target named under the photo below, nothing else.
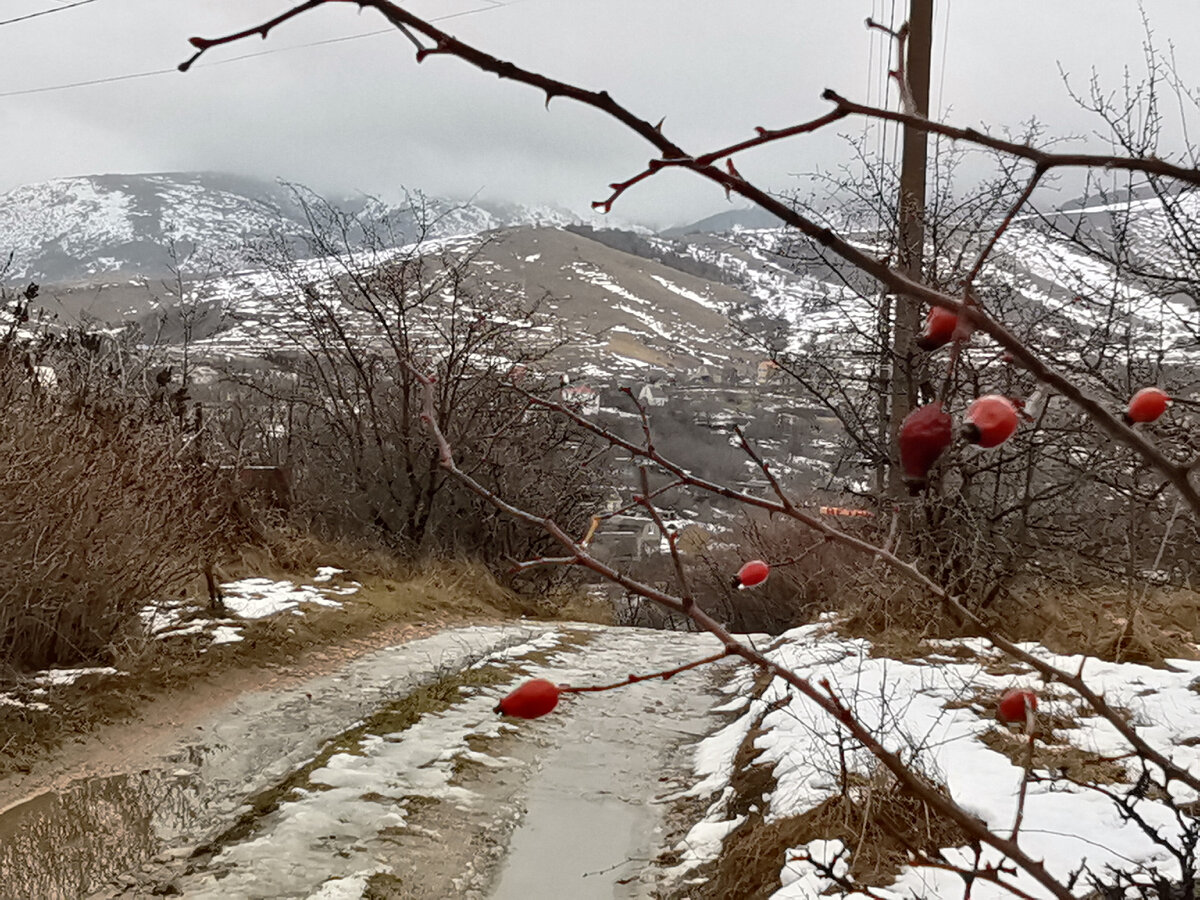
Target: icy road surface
(346, 786)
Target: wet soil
(386, 776)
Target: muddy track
(391, 777)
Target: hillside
(75, 229)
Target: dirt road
(392, 777)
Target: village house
(652, 395)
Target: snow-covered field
(932, 710)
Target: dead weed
(874, 816)
(1059, 757)
(424, 597)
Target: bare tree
(1172, 471)
(350, 412)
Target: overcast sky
(362, 115)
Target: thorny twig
(634, 679)
(908, 571)
(1031, 731)
(732, 182)
(825, 699)
(685, 594)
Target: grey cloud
(363, 115)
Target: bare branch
(634, 679)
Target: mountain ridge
(79, 227)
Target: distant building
(705, 375)
(651, 395)
(768, 370)
(582, 398)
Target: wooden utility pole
(906, 361)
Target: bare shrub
(100, 514)
(347, 411)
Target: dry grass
(420, 599)
(1053, 754)
(1052, 751)
(98, 515)
(876, 818)
(1100, 622)
(1108, 622)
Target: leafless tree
(1172, 471)
(347, 415)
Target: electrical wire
(870, 77)
(46, 12)
(887, 97)
(232, 59)
(942, 74)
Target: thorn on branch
(426, 52)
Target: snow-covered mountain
(75, 229)
(661, 301)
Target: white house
(651, 395)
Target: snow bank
(928, 709)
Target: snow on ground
(49, 679)
(706, 302)
(566, 797)
(254, 598)
(56, 677)
(248, 598)
(930, 707)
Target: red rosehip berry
(991, 420)
(939, 329)
(529, 701)
(752, 573)
(1146, 406)
(924, 435)
(1011, 707)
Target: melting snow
(931, 707)
(254, 598)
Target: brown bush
(808, 577)
(99, 516)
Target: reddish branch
(977, 267)
(685, 594)
(1073, 680)
(1042, 159)
(671, 154)
(919, 786)
(634, 679)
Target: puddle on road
(87, 837)
(69, 843)
(421, 797)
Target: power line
(76, 84)
(46, 12)
(232, 59)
